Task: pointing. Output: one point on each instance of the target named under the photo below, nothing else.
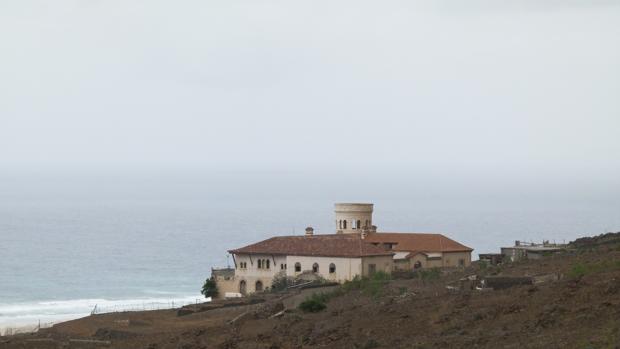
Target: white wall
(346, 268)
(252, 273)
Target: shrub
(371, 344)
(314, 303)
(209, 289)
(370, 286)
(580, 269)
(428, 274)
(281, 282)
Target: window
(359, 224)
(267, 267)
(332, 268)
(242, 287)
(417, 265)
(372, 268)
(344, 224)
(461, 262)
(283, 266)
(339, 224)
(297, 267)
(315, 267)
(260, 263)
(259, 286)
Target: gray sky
(487, 88)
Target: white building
(356, 249)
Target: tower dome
(353, 217)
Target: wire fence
(117, 308)
(9, 331)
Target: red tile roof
(328, 245)
(418, 242)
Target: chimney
(309, 231)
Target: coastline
(28, 317)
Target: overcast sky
(484, 87)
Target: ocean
(61, 258)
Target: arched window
(242, 287)
(359, 224)
(344, 224)
(332, 268)
(298, 267)
(259, 286)
(267, 264)
(315, 267)
(417, 265)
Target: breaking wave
(30, 314)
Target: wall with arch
(346, 268)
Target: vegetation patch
(209, 289)
(429, 274)
(314, 303)
(580, 269)
(371, 286)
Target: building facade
(356, 249)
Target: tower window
(359, 224)
(344, 224)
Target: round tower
(353, 217)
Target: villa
(355, 249)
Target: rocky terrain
(570, 300)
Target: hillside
(574, 302)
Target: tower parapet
(353, 217)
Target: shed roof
(418, 242)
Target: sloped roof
(422, 242)
(328, 245)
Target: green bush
(370, 344)
(314, 303)
(428, 274)
(580, 269)
(577, 270)
(209, 289)
(370, 286)
(281, 282)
